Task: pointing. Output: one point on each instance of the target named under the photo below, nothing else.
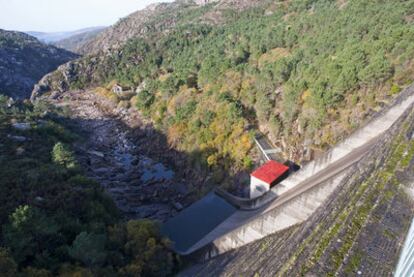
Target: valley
(156, 118)
(112, 153)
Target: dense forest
(306, 72)
(54, 220)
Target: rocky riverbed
(113, 152)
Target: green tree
(35, 272)
(145, 100)
(63, 155)
(151, 253)
(29, 233)
(378, 69)
(89, 249)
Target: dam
(289, 203)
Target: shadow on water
(145, 176)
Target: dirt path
(141, 187)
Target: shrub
(144, 100)
(63, 155)
(8, 267)
(88, 249)
(395, 89)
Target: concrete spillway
(296, 198)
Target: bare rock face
(205, 2)
(238, 4)
(56, 81)
(66, 77)
(24, 60)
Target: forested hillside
(161, 18)
(307, 72)
(54, 220)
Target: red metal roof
(270, 171)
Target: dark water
(157, 172)
(151, 171)
(124, 158)
(192, 224)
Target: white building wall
(258, 187)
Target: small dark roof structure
(270, 172)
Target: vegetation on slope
(307, 72)
(55, 220)
(359, 230)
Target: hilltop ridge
(75, 42)
(162, 18)
(135, 25)
(54, 37)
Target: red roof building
(270, 172)
(266, 176)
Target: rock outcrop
(204, 2)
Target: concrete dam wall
(360, 138)
(295, 211)
(300, 195)
(274, 217)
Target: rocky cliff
(24, 60)
(204, 2)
